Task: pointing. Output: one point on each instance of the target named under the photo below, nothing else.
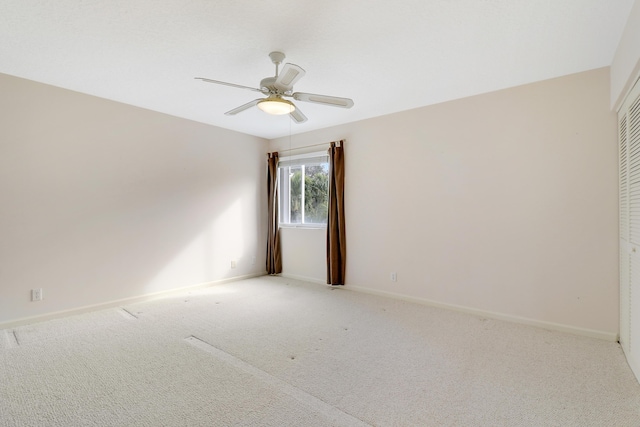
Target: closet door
(629, 149)
(625, 248)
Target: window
(303, 188)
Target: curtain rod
(306, 146)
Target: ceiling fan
(279, 87)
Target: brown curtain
(336, 237)
(274, 259)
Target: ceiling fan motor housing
(268, 83)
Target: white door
(629, 150)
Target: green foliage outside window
(316, 188)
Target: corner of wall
(625, 67)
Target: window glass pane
(283, 194)
(295, 197)
(303, 185)
(315, 193)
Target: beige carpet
(278, 352)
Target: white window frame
(298, 160)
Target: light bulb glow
(276, 106)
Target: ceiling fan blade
(229, 84)
(333, 101)
(297, 116)
(288, 76)
(241, 108)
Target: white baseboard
(304, 278)
(115, 303)
(493, 315)
(608, 336)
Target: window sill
(304, 226)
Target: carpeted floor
(278, 352)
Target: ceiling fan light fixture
(276, 106)
(281, 85)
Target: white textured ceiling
(388, 55)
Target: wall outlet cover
(36, 294)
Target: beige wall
(304, 253)
(102, 201)
(504, 202)
(625, 67)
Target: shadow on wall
(103, 201)
(218, 251)
(157, 243)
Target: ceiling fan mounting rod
(277, 58)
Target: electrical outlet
(394, 277)
(36, 294)
(234, 263)
(253, 260)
